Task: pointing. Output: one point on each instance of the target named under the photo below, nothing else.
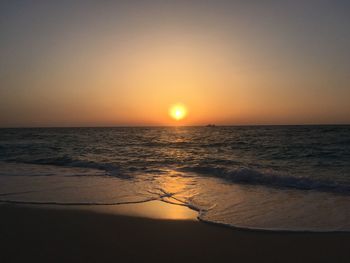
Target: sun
(178, 111)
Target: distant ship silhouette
(211, 125)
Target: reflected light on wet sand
(151, 209)
(175, 190)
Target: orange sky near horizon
(126, 64)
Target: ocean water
(262, 177)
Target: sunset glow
(178, 112)
(228, 62)
(228, 112)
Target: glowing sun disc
(178, 111)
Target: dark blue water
(269, 161)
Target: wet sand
(39, 234)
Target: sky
(111, 63)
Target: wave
(269, 229)
(66, 161)
(250, 176)
(201, 214)
(124, 171)
(22, 202)
(241, 175)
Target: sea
(284, 178)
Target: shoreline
(153, 209)
(64, 234)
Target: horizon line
(165, 126)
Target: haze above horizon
(122, 63)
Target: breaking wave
(269, 178)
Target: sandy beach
(40, 234)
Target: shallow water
(271, 177)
